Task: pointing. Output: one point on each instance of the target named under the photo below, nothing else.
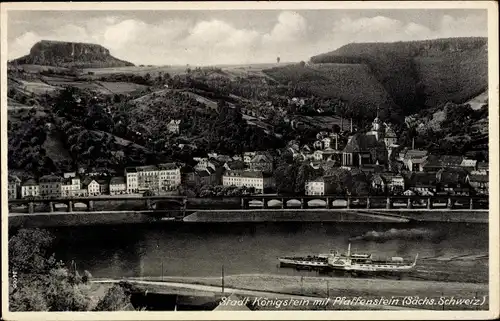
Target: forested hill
(420, 74)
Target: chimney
(337, 142)
(413, 143)
(351, 125)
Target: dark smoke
(417, 234)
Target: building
(431, 163)
(375, 145)
(469, 164)
(261, 181)
(451, 180)
(317, 186)
(69, 175)
(169, 176)
(117, 185)
(261, 162)
(30, 188)
(205, 177)
(14, 184)
(70, 186)
(174, 126)
(131, 179)
(92, 186)
(205, 163)
(480, 183)
(148, 178)
(50, 185)
(482, 168)
(450, 161)
(103, 186)
(388, 183)
(235, 165)
(317, 155)
(413, 159)
(422, 183)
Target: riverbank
(84, 218)
(340, 215)
(334, 288)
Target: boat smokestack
(349, 250)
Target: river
(200, 249)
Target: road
(228, 291)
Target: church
(374, 147)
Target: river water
(200, 249)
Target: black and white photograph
(278, 157)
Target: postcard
(250, 160)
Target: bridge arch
(274, 202)
(316, 202)
(293, 202)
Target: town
(373, 158)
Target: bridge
(183, 203)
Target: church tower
(377, 128)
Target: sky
(211, 37)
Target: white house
(30, 188)
(316, 186)
(256, 179)
(13, 185)
(92, 186)
(173, 126)
(131, 180)
(117, 185)
(70, 186)
(169, 176)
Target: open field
(121, 87)
(36, 87)
(152, 70)
(59, 81)
(39, 68)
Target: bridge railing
(273, 201)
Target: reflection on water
(201, 249)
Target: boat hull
(303, 264)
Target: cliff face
(70, 54)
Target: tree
(115, 299)
(44, 284)
(304, 173)
(278, 60)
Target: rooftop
(117, 180)
(50, 178)
(415, 153)
(30, 182)
(146, 168)
(361, 143)
(479, 178)
(249, 174)
(168, 166)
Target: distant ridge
(70, 54)
(400, 78)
